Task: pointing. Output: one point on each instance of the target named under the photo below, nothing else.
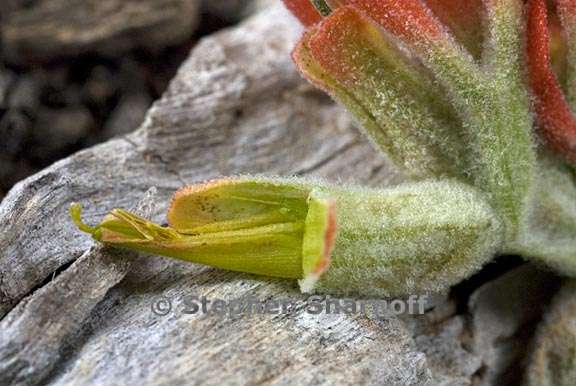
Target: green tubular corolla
(416, 238)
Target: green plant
(443, 89)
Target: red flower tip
(304, 11)
(333, 44)
(411, 19)
(557, 123)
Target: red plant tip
(304, 11)
(411, 20)
(336, 41)
(556, 122)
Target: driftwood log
(76, 313)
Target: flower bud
(415, 238)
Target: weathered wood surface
(236, 106)
(36, 343)
(44, 29)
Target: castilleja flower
(448, 90)
(472, 100)
(482, 91)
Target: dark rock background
(76, 73)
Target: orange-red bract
(557, 123)
(304, 11)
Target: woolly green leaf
(411, 239)
(400, 107)
(548, 233)
(489, 97)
